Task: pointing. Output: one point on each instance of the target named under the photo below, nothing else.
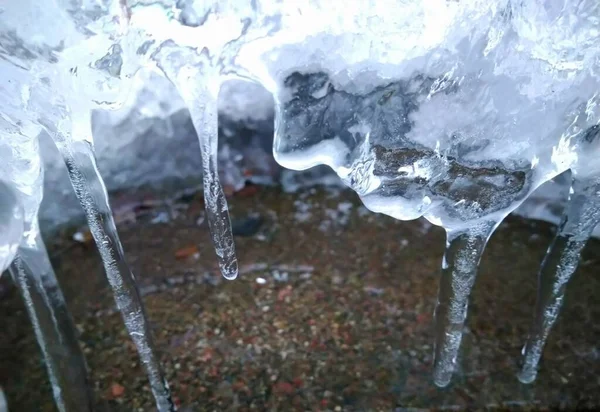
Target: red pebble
(283, 388)
(117, 390)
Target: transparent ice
(464, 128)
(198, 83)
(62, 84)
(581, 216)
(11, 225)
(454, 111)
(54, 329)
(23, 252)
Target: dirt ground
(332, 311)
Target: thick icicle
(200, 92)
(579, 220)
(91, 192)
(54, 329)
(459, 270)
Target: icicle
(581, 217)
(11, 225)
(54, 329)
(459, 270)
(90, 190)
(200, 92)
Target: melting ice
(455, 111)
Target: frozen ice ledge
(455, 111)
(155, 121)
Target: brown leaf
(423, 317)
(248, 191)
(283, 388)
(186, 252)
(117, 390)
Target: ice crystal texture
(452, 110)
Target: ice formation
(581, 216)
(11, 225)
(54, 329)
(22, 252)
(53, 82)
(457, 125)
(455, 111)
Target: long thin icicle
(459, 270)
(91, 192)
(200, 94)
(53, 326)
(561, 261)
